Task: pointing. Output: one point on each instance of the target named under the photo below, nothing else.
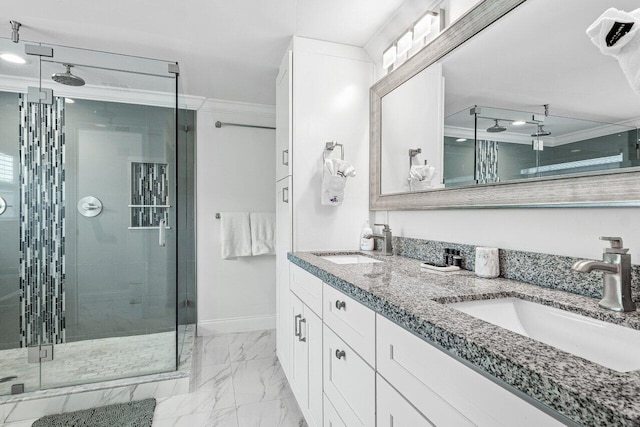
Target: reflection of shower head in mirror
(541, 132)
(496, 128)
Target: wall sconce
(413, 38)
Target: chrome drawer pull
(296, 332)
(341, 304)
(340, 354)
(300, 337)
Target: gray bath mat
(133, 414)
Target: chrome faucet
(616, 268)
(386, 237)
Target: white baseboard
(236, 324)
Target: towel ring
(330, 146)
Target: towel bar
(329, 146)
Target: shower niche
(149, 195)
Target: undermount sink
(613, 346)
(350, 259)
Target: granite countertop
(415, 299)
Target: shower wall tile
(42, 228)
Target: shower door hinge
(42, 353)
(37, 50)
(40, 95)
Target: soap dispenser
(366, 244)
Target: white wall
(235, 172)
(561, 231)
(331, 103)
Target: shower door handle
(162, 233)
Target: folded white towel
(338, 167)
(263, 233)
(235, 234)
(422, 172)
(617, 34)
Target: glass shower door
(119, 302)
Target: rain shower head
(496, 128)
(67, 78)
(541, 132)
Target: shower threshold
(38, 403)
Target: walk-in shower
(97, 262)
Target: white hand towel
(617, 34)
(332, 190)
(263, 233)
(235, 234)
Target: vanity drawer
(446, 391)
(348, 382)
(307, 287)
(352, 321)
(393, 410)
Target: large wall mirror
(513, 105)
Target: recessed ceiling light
(10, 57)
(69, 101)
(461, 139)
(519, 123)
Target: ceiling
(226, 49)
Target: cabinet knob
(340, 304)
(340, 354)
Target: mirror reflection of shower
(67, 78)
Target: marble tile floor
(236, 381)
(91, 360)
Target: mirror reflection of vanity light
(519, 123)
(461, 139)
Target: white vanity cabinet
(444, 390)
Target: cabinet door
(284, 107)
(284, 331)
(393, 410)
(349, 382)
(299, 353)
(331, 417)
(314, 341)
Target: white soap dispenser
(366, 244)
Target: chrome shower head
(541, 132)
(67, 78)
(496, 128)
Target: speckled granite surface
(551, 271)
(400, 290)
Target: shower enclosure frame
(172, 73)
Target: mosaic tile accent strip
(549, 271)
(42, 222)
(487, 161)
(149, 194)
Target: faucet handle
(386, 227)
(616, 245)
